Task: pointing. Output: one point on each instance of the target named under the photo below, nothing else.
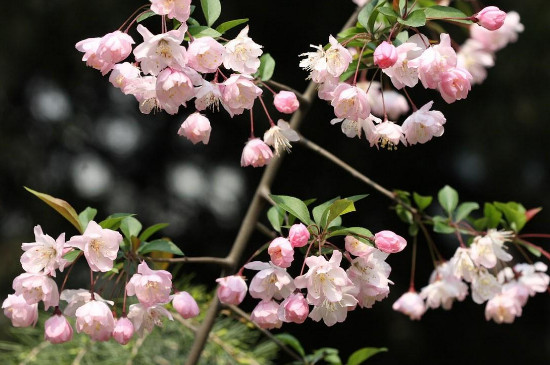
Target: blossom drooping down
(271, 281)
(36, 288)
(410, 304)
(123, 331)
(231, 289)
(173, 9)
(286, 102)
(265, 315)
(279, 137)
(294, 309)
(96, 320)
(385, 55)
(19, 311)
(150, 286)
(424, 124)
(196, 128)
(185, 305)
(57, 329)
(145, 318)
(256, 153)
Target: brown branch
(221, 261)
(281, 86)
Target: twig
(220, 261)
(265, 230)
(281, 86)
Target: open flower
(45, 255)
(280, 136)
(150, 286)
(410, 304)
(256, 153)
(232, 289)
(96, 320)
(242, 54)
(19, 311)
(145, 318)
(196, 128)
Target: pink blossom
(123, 331)
(298, 235)
(19, 312)
(279, 137)
(337, 57)
(196, 128)
(369, 274)
(45, 255)
(487, 249)
(444, 288)
(281, 252)
(239, 93)
(403, 72)
(533, 277)
(208, 95)
(326, 89)
(115, 47)
(294, 309)
(265, 315)
(95, 319)
(503, 308)
(395, 104)
(37, 287)
(123, 74)
(422, 125)
(185, 305)
(434, 61)
(334, 312)
(256, 153)
(474, 57)
(150, 286)
(498, 39)
(145, 91)
(205, 54)
(386, 134)
(57, 329)
(271, 281)
(410, 304)
(463, 265)
(242, 54)
(174, 9)
(389, 242)
(232, 289)
(454, 84)
(100, 246)
(89, 47)
(76, 298)
(145, 318)
(356, 247)
(490, 17)
(286, 102)
(385, 55)
(350, 102)
(176, 87)
(351, 128)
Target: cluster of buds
(167, 75)
(365, 106)
(505, 290)
(329, 288)
(93, 315)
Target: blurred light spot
(470, 166)
(91, 176)
(226, 192)
(121, 135)
(47, 101)
(188, 181)
(533, 174)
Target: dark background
(66, 131)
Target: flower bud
(231, 289)
(356, 247)
(298, 235)
(286, 102)
(410, 304)
(385, 55)
(57, 329)
(294, 309)
(124, 330)
(490, 18)
(389, 242)
(265, 315)
(186, 306)
(281, 252)
(196, 128)
(256, 153)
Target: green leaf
(275, 217)
(514, 213)
(464, 210)
(113, 221)
(492, 215)
(291, 341)
(415, 19)
(191, 22)
(388, 12)
(422, 202)
(358, 232)
(198, 31)
(211, 10)
(144, 236)
(356, 198)
(319, 210)
(61, 206)
(351, 70)
(338, 208)
(161, 245)
(145, 15)
(294, 206)
(86, 216)
(446, 12)
(361, 355)
(441, 225)
(530, 248)
(448, 198)
(413, 229)
(365, 14)
(404, 214)
(267, 66)
(130, 227)
(401, 38)
(72, 255)
(224, 27)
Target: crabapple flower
(333, 312)
(286, 102)
(185, 305)
(356, 247)
(242, 54)
(122, 74)
(403, 72)
(444, 288)
(279, 137)
(503, 308)
(175, 87)
(100, 246)
(174, 9)
(389, 242)
(256, 153)
(490, 18)
(298, 235)
(161, 50)
(19, 311)
(145, 91)
(265, 315)
(231, 289)
(294, 309)
(208, 95)
(395, 103)
(498, 39)
(281, 252)
(337, 57)
(386, 134)
(350, 102)
(474, 57)
(37, 287)
(271, 281)
(455, 84)
(370, 274)
(96, 320)
(45, 255)
(434, 61)
(326, 89)
(316, 63)
(205, 54)
(239, 93)
(533, 277)
(196, 128)
(150, 286)
(351, 128)
(463, 265)
(114, 47)
(486, 250)
(123, 331)
(57, 329)
(76, 298)
(424, 124)
(484, 286)
(385, 55)
(145, 318)
(410, 304)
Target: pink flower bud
(124, 330)
(298, 235)
(491, 18)
(57, 329)
(115, 47)
(356, 247)
(286, 102)
(385, 55)
(231, 289)
(389, 242)
(281, 252)
(256, 153)
(265, 315)
(196, 128)
(186, 306)
(294, 309)
(410, 304)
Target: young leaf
(356, 198)
(365, 14)
(275, 217)
(113, 221)
(61, 206)
(464, 210)
(531, 249)
(319, 210)
(145, 15)
(144, 236)
(446, 12)
(198, 31)
(86, 216)
(441, 225)
(294, 206)
(161, 245)
(361, 355)
(338, 208)
(403, 214)
(211, 10)
(492, 215)
(448, 198)
(291, 341)
(415, 19)
(422, 202)
(514, 213)
(401, 38)
(267, 66)
(72, 255)
(224, 27)
(130, 227)
(388, 12)
(358, 232)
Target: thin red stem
(252, 124)
(358, 64)
(266, 112)
(413, 263)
